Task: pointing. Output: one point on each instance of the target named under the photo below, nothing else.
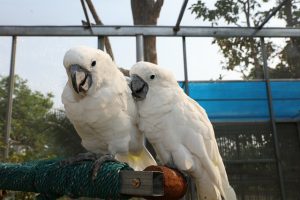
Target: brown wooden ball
(175, 185)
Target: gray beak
(81, 78)
(138, 87)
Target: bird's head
(86, 68)
(147, 76)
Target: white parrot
(98, 102)
(179, 130)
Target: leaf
(245, 53)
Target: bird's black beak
(81, 79)
(138, 87)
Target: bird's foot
(81, 157)
(191, 190)
(98, 163)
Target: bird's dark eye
(152, 77)
(93, 63)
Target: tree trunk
(293, 46)
(146, 12)
(258, 70)
(287, 10)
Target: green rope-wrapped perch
(114, 180)
(52, 179)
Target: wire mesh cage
(248, 151)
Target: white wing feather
(181, 133)
(106, 118)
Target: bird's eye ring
(93, 63)
(152, 76)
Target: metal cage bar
(167, 31)
(186, 79)
(10, 96)
(298, 131)
(139, 48)
(100, 41)
(183, 7)
(272, 117)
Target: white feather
(106, 116)
(181, 133)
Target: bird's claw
(98, 164)
(191, 190)
(81, 157)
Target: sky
(39, 59)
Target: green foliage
(226, 9)
(243, 54)
(62, 136)
(37, 131)
(28, 119)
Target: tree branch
(99, 22)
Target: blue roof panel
(247, 100)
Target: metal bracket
(142, 183)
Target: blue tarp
(247, 100)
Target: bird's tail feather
(228, 190)
(207, 190)
(137, 161)
(229, 193)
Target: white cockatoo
(179, 130)
(98, 102)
